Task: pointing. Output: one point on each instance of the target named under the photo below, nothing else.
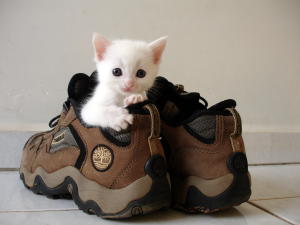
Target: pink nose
(129, 83)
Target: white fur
(105, 107)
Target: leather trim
(155, 128)
(82, 148)
(234, 137)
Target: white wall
(248, 50)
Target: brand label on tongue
(170, 110)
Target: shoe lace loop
(180, 89)
(53, 122)
(205, 102)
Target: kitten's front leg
(133, 99)
(107, 116)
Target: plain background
(247, 50)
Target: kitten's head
(127, 66)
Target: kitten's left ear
(157, 48)
(100, 45)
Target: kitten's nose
(129, 83)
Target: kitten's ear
(100, 45)
(157, 48)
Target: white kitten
(126, 69)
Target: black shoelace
(54, 121)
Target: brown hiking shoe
(108, 173)
(204, 149)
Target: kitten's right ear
(157, 48)
(100, 45)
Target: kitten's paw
(133, 99)
(143, 98)
(121, 120)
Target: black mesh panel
(204, 126)
(62, 139)
(123, 135)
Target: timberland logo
(102, 157)
(159, 167)
(58, 139)
(240, 163)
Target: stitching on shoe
(131, 142)
(31, 169)
(219, 128)
(68, 121)
(38, 150)
(37, 153)
(219, 148)
(134, 158)
(220, 118)
(65, 150)
(29, 142)
(53, 154)
(49, 146)
(218, 142)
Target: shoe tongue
(81, 85)
(174, 102)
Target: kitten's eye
(141, 73)
(117, 72)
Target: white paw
(107, 116)
(133, 99)
(121, 119)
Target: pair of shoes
(120, 174)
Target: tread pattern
(158, 196)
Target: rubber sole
(157, 197)
(238, 192)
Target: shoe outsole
(237, 193)
(158, 196)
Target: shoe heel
(238, 191)
(158, 196)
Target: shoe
(108, 173)
(204, 149)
